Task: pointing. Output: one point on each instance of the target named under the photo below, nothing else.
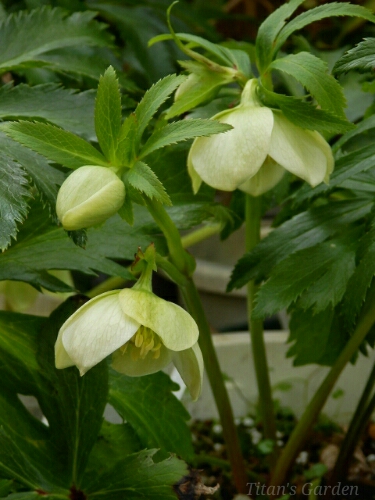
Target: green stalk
(184, 263)
(253, 219)
(218, 388)
(304, 426)
(357, 424)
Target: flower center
(143, 341)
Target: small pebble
(279, 434)
(218, 446)
(280, 443)
(302, 458)
(217, 428)
(237, 421)
(248, 422)
(256, 436)
(371, 458)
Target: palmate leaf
(137, 476)
(322, 272)
(26, 36)
(156, 415)
(312, 73)
(360, 58)
(13, 198)
(55, 144)
(321, 12)
(65, 108)
(181, 131)
(304, 230)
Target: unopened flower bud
(88, 197)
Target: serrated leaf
(307, 116)
(269, 30)
(73, 405)
(138, 476)
(139, 400)
(346, 167)
(304, 230)
(362, 277)
(64, 107)
(359, 58)
(153, 99)
(55, 144)
(44, 246)
(361, 127)
(318, 338)
(313, 267)
(321, 12)
(141, 177)
(13, 199)
(108, 114)
(126, 141)
(26, 36)
(312, 73)
(181, 131)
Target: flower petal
(303, 152)
(196, 180)
(62, 358)
(97, 329)
(224, 161)
(126, 364)
(189, 364)
(269, 174)
(174, 325)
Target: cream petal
(97, 329)
(224, 161)
(124, 362)
(300, 151)
(189, 364)
(174, 325)
(269, 174)
(196, 181)
(62, 358)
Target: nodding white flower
(142, 331)
(88, 197)
(254, 155)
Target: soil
(311, 469)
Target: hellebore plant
(143, 332)
(254, 155)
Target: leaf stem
(201, 234)
(303, 428)
(253, 219)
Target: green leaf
(13, 196)
(108, 114)
(312, 73)
(360, 58)
(26, 36)
(138, 476)
(346, 167)
(318, 338)
(43, 246)
(55, 144)
(362, 277)
(181, 131)
(318, 13)
(64, 107)
(156, 415)
(304, 230)
(153, 99)
(126, 141)
(73, 405)
(330, 263)
(269, 30)
(307, 116)
(141, 177)
(361, 127)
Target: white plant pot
(236, 363)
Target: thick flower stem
(218, 388)
(184, 263)
(253, 218)
(304, 426)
